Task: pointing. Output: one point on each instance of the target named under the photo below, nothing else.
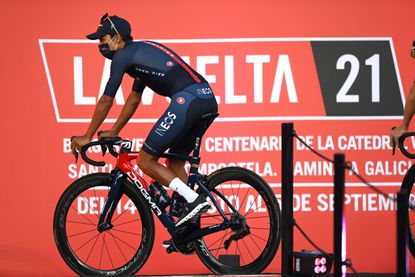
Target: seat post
(204, 124)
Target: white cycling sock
(181, 188)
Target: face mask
(104, 49)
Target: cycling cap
(111, 25)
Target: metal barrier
(339, 221)
(287, 192)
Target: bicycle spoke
(221, 243)
(123, 241)
(118, 246)
(218, 218)
(108, 252)
(93, 246)
(254, 217)
(246, 195)
(234, 195)
(115, 219)
(77, 249)
(252, 235)
(102, 251)
(92, 223)
(90, 208)
(258, 228)
(79, 222)
(126, 232)
(250, 210)
(81, 233)
(134, 220)
(243, 241)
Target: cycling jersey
(158, 67)
(151, 64)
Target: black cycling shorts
(177, 128)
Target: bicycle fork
(114, 196)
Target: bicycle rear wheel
(257, 205)
(123, 249)
(408, 188)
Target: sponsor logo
(204, 91)
(144, 193)
(165, 125)
(180, 100)
(126, 144)
(169, 63)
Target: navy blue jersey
(151, 64)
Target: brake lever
(393, 143)
(104, 149)
(76, 154)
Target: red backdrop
(243, 47)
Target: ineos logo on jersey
(169, 63)
(204, 91)
(165, 125)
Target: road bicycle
(407, 187)
(104, 226)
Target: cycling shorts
(177, 128)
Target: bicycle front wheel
(409, 190)
(121, 250)
(245, 196)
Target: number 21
(373, 62)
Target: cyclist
(408, 112)
(156, 66)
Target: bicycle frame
(125, 168)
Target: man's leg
(177, 166)
(151, 167)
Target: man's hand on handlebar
(78, 141)
(106, 134)
(396, 133)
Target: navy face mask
(104, 49)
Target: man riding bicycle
(408, 112)
(156, 66)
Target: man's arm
(409, 110)
(127, 112)
(101, 111)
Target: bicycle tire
(142, 219)
(406, 187)
(231, 260)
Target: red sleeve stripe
(177, 59)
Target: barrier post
(339, 180)
(402, 235)
(287, 191)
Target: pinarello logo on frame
(269, 79)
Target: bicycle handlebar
(106, 144)
(402, 146)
